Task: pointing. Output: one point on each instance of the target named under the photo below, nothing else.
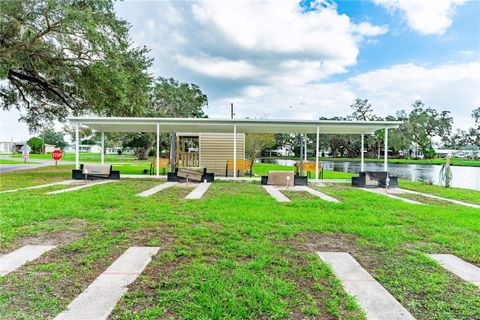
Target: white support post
(385, 152)
(77, 156)
(157, 165)
(305, 142)
(317, 144)
(103, 148)
(234, 150)
(362, 154)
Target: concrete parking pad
(459, 267)
(85, 185)
(391, 195)
(199, 191)
(65, 182)
(374, 299)
(276, 194)
(156, 189)
(101, 296)
(14, 260)
(441, 198)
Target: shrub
(36, 144)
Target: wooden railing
(188, 159)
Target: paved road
(16, 167)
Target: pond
(463, 177)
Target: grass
(91, 157)
(34, 177)
(236, 253)
(4, 161)
(467, 195)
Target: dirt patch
(338, 242)
(68, 231)
(65, 272)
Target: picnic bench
(95, 171)
(190, 174)
(242, 165)
(309, 167)
(284, 178)
(375, 179)
(163, 163)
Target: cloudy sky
(290, 59)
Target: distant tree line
(421, 128)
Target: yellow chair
(163, 163)
(309, 167)
(242, 165)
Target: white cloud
(10, 128)
(453, 87)
(425, 16)
(366, 29)
(228, 39)
(219, 67)
(273, 59)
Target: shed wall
(217, 148)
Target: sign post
(25, 152)
(57, 155)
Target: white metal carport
(158, 125)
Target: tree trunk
(144, 155)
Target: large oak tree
(69, 57)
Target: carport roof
(123, 124)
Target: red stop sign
(57, 155)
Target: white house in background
(467, 153)
(11, 146)
(84, 148)
(48, 148)
(280, 152)
(122, 150)
(95, 148)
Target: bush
(430, 154)
(36, 144)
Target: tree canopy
(36, 144)
(255, 143)
(425, 123)
(69, 57)
(168, 98)
(50, 136)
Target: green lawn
(4, 161)
(467, 195)
(91, 157)
(236, 254)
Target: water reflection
(463, 177)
